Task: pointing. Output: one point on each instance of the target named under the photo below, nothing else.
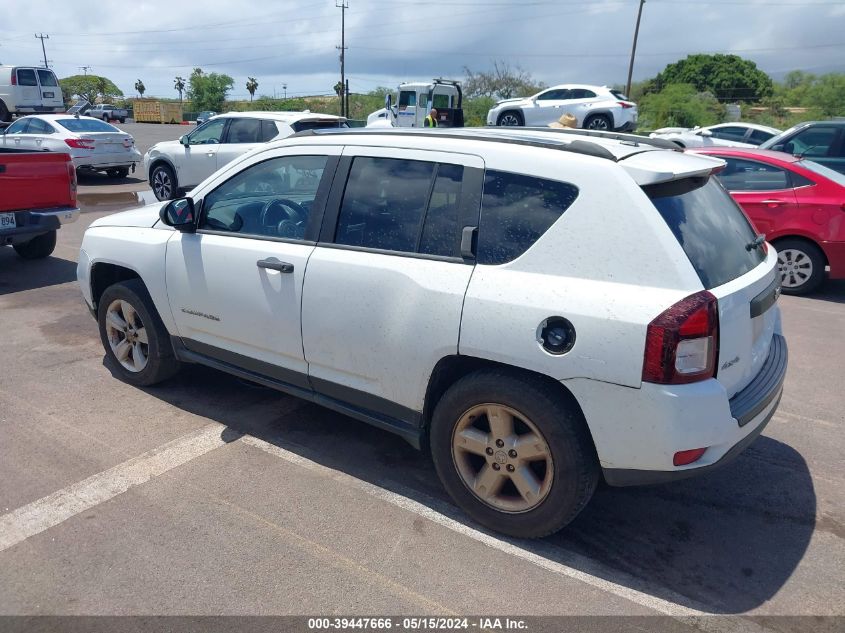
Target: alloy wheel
(795, 267)
(510, 119)
(162, 184)
(598, 123)
(502, 458)
(127, 336)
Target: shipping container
(152, 111)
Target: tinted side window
(384, 203)
(441, 233)
(269, 131)
(244, 131)
(26, 77)
(759, 136)
(731, 133)
(269, 199)
(555, 95)
(407, 98)
(581, 93)
(814, 141)
(749, 175)
(18, 127)
(37, 126)
(515, 211)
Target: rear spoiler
(651, 168)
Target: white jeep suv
(539, 308)
(594, 108)
(175, 166)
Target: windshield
(86, 125)
(710, 227)
(821, 170)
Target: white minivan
(28, 90)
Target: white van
(28, 90)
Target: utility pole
(343, 5)
(84, 69)
(634, 50)
(285, 89)
(43, 37)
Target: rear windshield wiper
(757, 242)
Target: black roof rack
(578, 146)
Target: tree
(208, 91)
(728, 77)
(251, 86)
(179, 85)
(90, 87)
(679, 105)
(503, 82)
(140, 88)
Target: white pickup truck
(108, 112)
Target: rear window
(299, 126)
(26, 77)
(710, 227)
(86, 125)
(47, 78)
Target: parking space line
(634, 590)
(40, 515)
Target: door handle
(773, 202)
(274, 264)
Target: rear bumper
(40, 109)
(835, 252)
(105, 161)
(34, 223)
(752, 407)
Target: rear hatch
(732, 263)
(51, 92)
(107, 139)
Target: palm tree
(179, 84)
(139, 86)
(251, 86)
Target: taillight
(682, 343)
(71, 173)
(80, 143)
(625, 105)
(682, 458)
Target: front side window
(269, 199)
(208, 133)
(26, 77)
(555, 95)
(515, 211)
(47, 78)
(244, 131)
(814, 141)
(749, 175)
(406, 99)
(18, 127)
(384, 203)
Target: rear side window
(47, 78)
(269, 131)
(730, 133)
(515, 212)
(759, 136)
(710, 227)
(244, 131)
(749, 175)
(26, 77)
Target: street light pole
(634, 50)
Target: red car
(798, 204)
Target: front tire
(600, 122)
(513, 452)
(122, 119)
(136, 342)
(163, 182)
(38, 247)
(801, 265)
(511, 118)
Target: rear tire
(136, 342)
(511, 118)
(118, 172)
(536, 455)
(801, 265)
(122, 119)
(5, 115)
(599, 122)
(38, 247)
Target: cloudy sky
(292, 42)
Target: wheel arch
(450, 369)
(800, 235)
(601, 112)
(159, 160)
(517, 111)
(105, 274)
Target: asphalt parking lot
(209, 496)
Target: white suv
(540, 308)
(594, 108)
(174, 166)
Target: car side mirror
(185, 140)
(179, 214)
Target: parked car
(173, 166)
(821, 141)
(721, 135)
(798, 204)
(93, 145)
(108, 112)
(455, 288)
(594, 108)
(26, 90)
(39, 196)
(202, 117)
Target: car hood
(145, 217)
(166, 146)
